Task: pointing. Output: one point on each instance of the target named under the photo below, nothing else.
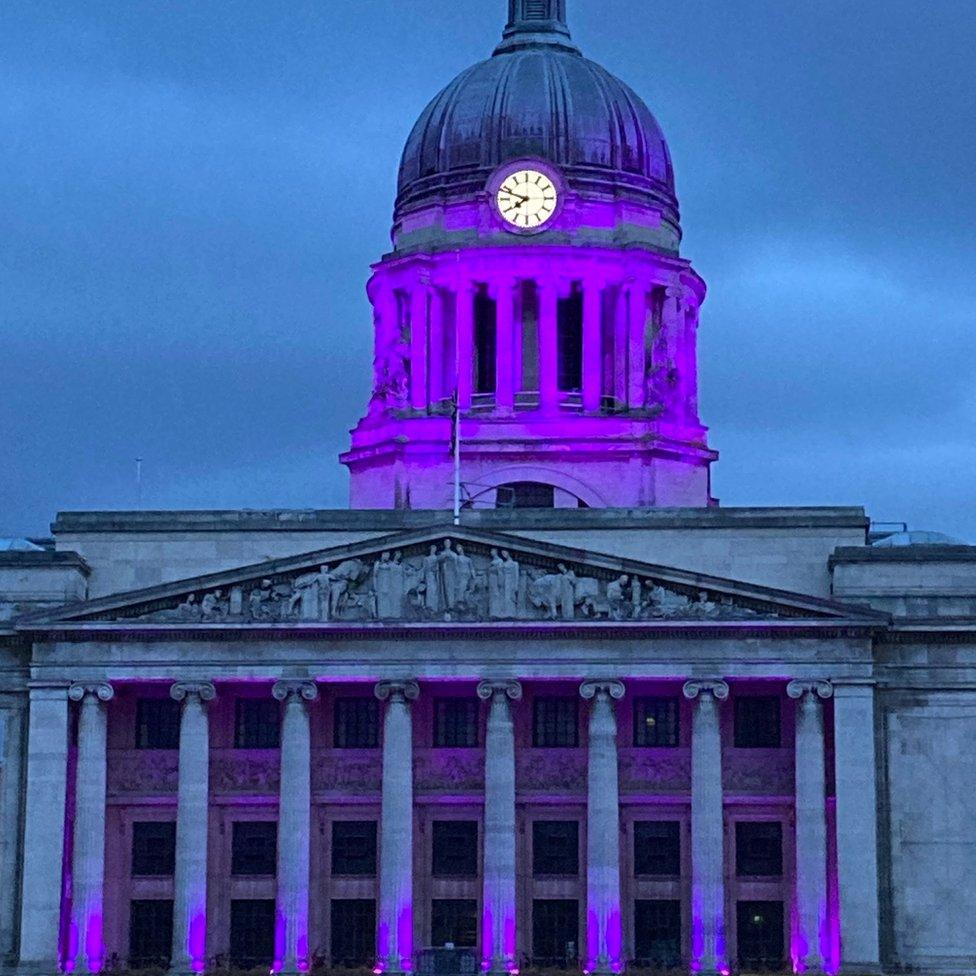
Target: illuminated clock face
(527, 199)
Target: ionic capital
(818, 689)
(491, 689)
(716, 687)
(602, 688)
(397, 691)
(287, 689)
(100, 690)
(204, 690)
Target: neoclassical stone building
(592, 720)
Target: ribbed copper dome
(536, 96)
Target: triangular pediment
(448, 575)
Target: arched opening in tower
(485, 341)
(570, 333)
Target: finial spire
(535, 22)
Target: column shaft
(395, 928)
(192, 805)
(47, 763)
(504, 346)
(294, 827)
(464, 318)
(548, 346)
(499, 911)
(85, 935)
(12, 758)
(637, 356)
(592, 345)
(418, 347)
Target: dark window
(353, 941)
(759, 849)
(657, 847)
(657, 933)
(254, 847)
(757, 722)
(157, 723)
(455, 723)
(525, 494)
(455, 848)
(760, 934)
(354, 847)
(252, 932)
(257, 724)
(555, 931)
(356, 723)
(485, 331)
(454, 920)
(656, 722)
(571, 342)
(150, 933)
(555, 847)
(153, 848)
(555, 722)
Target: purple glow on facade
(196, 944)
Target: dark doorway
(657, 933)
(485, 332)
(454, 921)
(150, 933)
(353, 941)
(760, 935)
(252, 932)
(555, 931)
(571, 342)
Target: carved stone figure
(510, 585)
(616, 597)
(450, 577)
(189, 609)
(259, 601)
(432, 582)
(465, 576)
(347, 575)
(496, 587)
(389, 586)
(211, 606)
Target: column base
(47, 968)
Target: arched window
(526, 494)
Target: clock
(527, 199)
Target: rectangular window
(353, 941)
(570, 341)
(455, 848)
(455, 723)
(757, 724)
(656, 722)
(555, 847)
(256, 725)
(153, 848)
(354, 847)
(357, 723)
(254, 847)
(555, 931)
(759, 926)
(252, 932)
(454, 921)
(157, 723)
(555, 723)
(485, 337)
(150, 933)
(657, 933)
(657, 847)
(759, 849)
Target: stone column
(498, 939)
(548, 346)
(811, 824)
(855, 765)
(708, 950)
(47, 766)
(464, 343)
(637, 355)
(192, 806)
(11, 772)
(294, 826)
(394, 948)
(418, 347)
(604, 933)
(592, 345)
(85, 939)
(504, 345)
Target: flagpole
(457, 461)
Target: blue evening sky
(191, 193)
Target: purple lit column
(464, 343)
(548, 345)
(637, 365)
(812, 935)
(708, 953)
(504, 292)
(86, 952)
(190, 874)
(604, 933)
(592, 344)
(498, 938)
(394, 939)
(418, 346)
(294, 826)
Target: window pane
(760, 934)
(254, 847)
(656, 722)
(150, 933)
(555, 847)
(759, 849)
(455, 921)
(455, 723)
(657, 847)
(356, 723)
(251, 932)
(353, 941)
(153, 848)
(455, 848)
(555, 722)
(555, 931)
(257, 724)
(354, 847)
(157, 723)
(757, 724)
(657, 933)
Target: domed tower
(535, 300)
